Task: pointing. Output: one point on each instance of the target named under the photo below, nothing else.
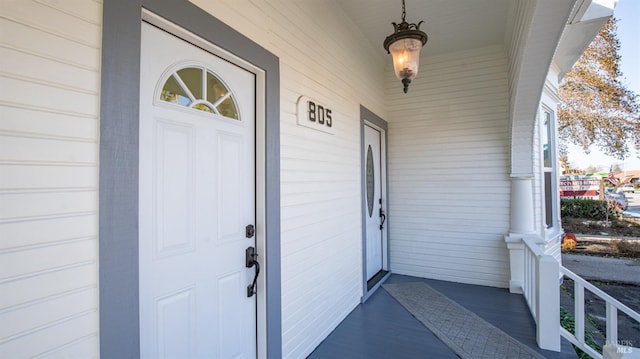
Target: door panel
(175, 324)
(197, 194)
(174, 183)
(373, 196)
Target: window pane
(549, 164)
(173, 92)
(203, 107)
(215, 91)
(548, 199)
(215, 88)
(190, 92)
(370, 181)
(546, 140)
(227, 108)
(192, 77)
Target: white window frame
(549, 133)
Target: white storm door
(196, 197)
(373, 195)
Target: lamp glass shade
(406, 57)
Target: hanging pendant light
(404, 45)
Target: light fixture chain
(404, 12)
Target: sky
(628, 14)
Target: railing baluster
(526, 284)
(535, 287)
(578, 289)
(532, 285)
(527, 268)
(612, 324)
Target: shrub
(588, 209)
(628, 247)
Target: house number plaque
(314, 114)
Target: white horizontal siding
(47, 123)
(48, 337)
(49, 107)
(449, 169)
(322, 56)
(56, 46)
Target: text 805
(319, 114)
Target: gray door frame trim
(367, 116)
(119, 136)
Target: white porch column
(522, 224)
(522, 220)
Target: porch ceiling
(452, 25)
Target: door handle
(381, 214)
(251, 258)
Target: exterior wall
(442, 224)
(49, 206)
(323, 57)
(449, 182)
(49, 109)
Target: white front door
(373, 200)
(196, 199)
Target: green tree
(596, 107)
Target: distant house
(634, 176)
(150, 148)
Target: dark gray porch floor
(382, 328)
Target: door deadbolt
(250, 231)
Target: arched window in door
(199, 88)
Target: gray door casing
(119, 136)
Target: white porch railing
(541, 289)
(612, 308)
